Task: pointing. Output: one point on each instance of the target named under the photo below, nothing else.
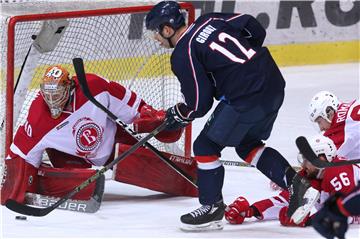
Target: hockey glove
(50, 34)
(286, 221)
(237, 211)
(175, 120)
(150, 119)
(329, 221)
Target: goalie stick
(39, 212)
(306, 150)
(91, 205)
(79, 69)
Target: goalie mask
(55, 89)
(321, 104)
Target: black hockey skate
(205, 218)
(302, 198)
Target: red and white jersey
(335, 179)
(345, 130)
(341, 179)
(82, 129)
(270, 207)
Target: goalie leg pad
(144, 169)
(20, 177)
(57, 182)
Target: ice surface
(132, 212)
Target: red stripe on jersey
(132, 99)
(117, 90)
(342, 208)
(193, 68)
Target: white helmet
(320, 103)
(323, 145)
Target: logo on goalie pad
(71, 206)
(182, 160)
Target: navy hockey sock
(274, 166)
(210, 183)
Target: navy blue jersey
(221, 56)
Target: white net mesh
(112, 46)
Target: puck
(21, 218)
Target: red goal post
(109, 46)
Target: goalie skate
(205, 218)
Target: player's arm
(332, 220)
(131, 108)
(349, 205)
(266, 209)
(123, 102)
(197, 88)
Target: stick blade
(26, 210)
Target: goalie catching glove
(150, 119)
(49, 36)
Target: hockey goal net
(112, 43)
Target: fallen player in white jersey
(328, 181)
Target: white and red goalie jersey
(83, 136)
(345, 130)
(336, 179)
(82, 130)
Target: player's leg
(217, 133)
(270, 162)
(210, 178)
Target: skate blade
(210, 226)
(312, 195)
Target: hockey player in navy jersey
(221, 56)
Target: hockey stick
(235, 163)
(17, 110)
(80, 73)
(85, 206)
(306, 150)
(91, 205)
(39, 212)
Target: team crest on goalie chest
(88, 135)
